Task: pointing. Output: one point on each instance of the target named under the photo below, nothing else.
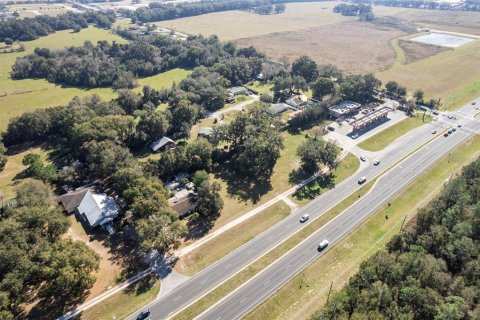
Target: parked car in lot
(459, 125)
(363, 158)
(362, 180)
(454, 129)
(474, 103)
(331, 128)
(435, 113)
(143, 315)
(354, 136)
(450, 117)
(450, 131)
(445, 134)
(304, 218)
(322, 245)
(376, 162)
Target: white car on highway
(362, 180)
(322, 245)
(304, 218)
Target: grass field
(382, 139)
(125, 302)
(303, 295)
(233, 25)
(18, 96)
(333, 43)
(447, 75)
(227, 242)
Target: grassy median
(384, 138)
(303, 295)
(232, 239)
(123, 303)
(233, 283)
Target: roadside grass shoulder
(382, 139)
(348, 166)
(303, 295)
(225, 243)
(121, 304)
(221, 291)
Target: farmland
(18, 96)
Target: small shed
(238, 91)
(205, 132)
(162, 144)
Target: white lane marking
(243, 299)
(228, 265)
(249, 251)
(270, 238)
(177, 298)
(267, 282)
(203, 281)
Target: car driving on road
(434, 131)
(322, 245)
(143, 315)
(363, 158)
(376, 162)
(362, 180)
(304, 218)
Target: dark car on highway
(143, 315)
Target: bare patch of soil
(415, 51)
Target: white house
(96, 209)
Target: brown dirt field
(415, 51)
(353, 46)
(231, 25)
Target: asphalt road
(257, 290)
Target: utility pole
(329, 290)
(403, 222)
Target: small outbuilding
(297, 101)
(205, 132)
(162, 144)
(183, 202)
(238, 91)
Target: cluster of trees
(396, 89)
(254, 143)
(37, 169)
(269, 8)
(32, 28)
(118, 65)
(3, 156)
(363, 11)
(431, 271)
(160, 11)
(35, 260)
(468, 5)
(324, 81)
(315, 152)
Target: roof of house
(277, 108)
(345, 107)
(205, 131)
(297, 100)
(160, 143)
(98, 208)
(237, 90)
(182, 201)
(71, 200)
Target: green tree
(322, 87)
(418, 95)
(305, 67)
(314, 152)
(208, 200)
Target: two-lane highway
(200, 284)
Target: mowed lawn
(230, 240)
(18, 96)
(382, 139)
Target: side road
(160, 264)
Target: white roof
(98, 208)
(160, 143)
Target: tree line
(118, 65)
(33, 28)
(160, 11)
(364, 12)
(429, 271)
(469, 5)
